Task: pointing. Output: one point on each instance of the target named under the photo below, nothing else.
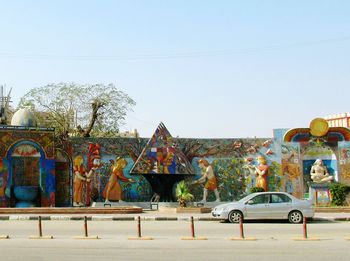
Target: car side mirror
(250, 202)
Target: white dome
(23, 117)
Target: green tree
(80, 110)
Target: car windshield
(245, 198)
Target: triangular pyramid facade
(162, 156)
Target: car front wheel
(295, 217)
(235, 216)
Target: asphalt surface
(274, 241)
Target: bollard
(40, 228)
(139, 235)
(40, 232)
(193, 236)
(305, 236)
(85, 226)
(241, 228)
(241, 232)
(139, 226)
(86, 234)
(192, 228)
(304, 229)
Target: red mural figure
(94, 162)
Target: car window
(280, 198)
(261, 199)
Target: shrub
(338, 193)
(183, 193)
(256, 189)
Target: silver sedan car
(265, 205)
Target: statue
(208, 178)
(261, 172)
(113, 190)
(319, 172)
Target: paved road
(275, 241)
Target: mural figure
(208, 178)
(261, 172)
(249, 173)
(113, 190)
(92, 183)
(319, 172)
(79, 179)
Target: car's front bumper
(219, 214)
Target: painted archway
(28, 166)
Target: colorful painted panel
(292, 178)
(3, 183)
(25, 150)
(25, 171)
(320, 194)
(344, 162)
(110, 151)
(48, 183)
(63, 180)
(161, 155)
(234, 163)
(10, 136)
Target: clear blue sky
(204, 68)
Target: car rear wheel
(295, 217)
(235, 216)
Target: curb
(104, 218)
(133, 218)
(332, 219)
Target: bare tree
(74, 109)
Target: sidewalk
(152, 215)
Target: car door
(279, 205)
(257, 207)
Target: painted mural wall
(234, 163)
(81, 170)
